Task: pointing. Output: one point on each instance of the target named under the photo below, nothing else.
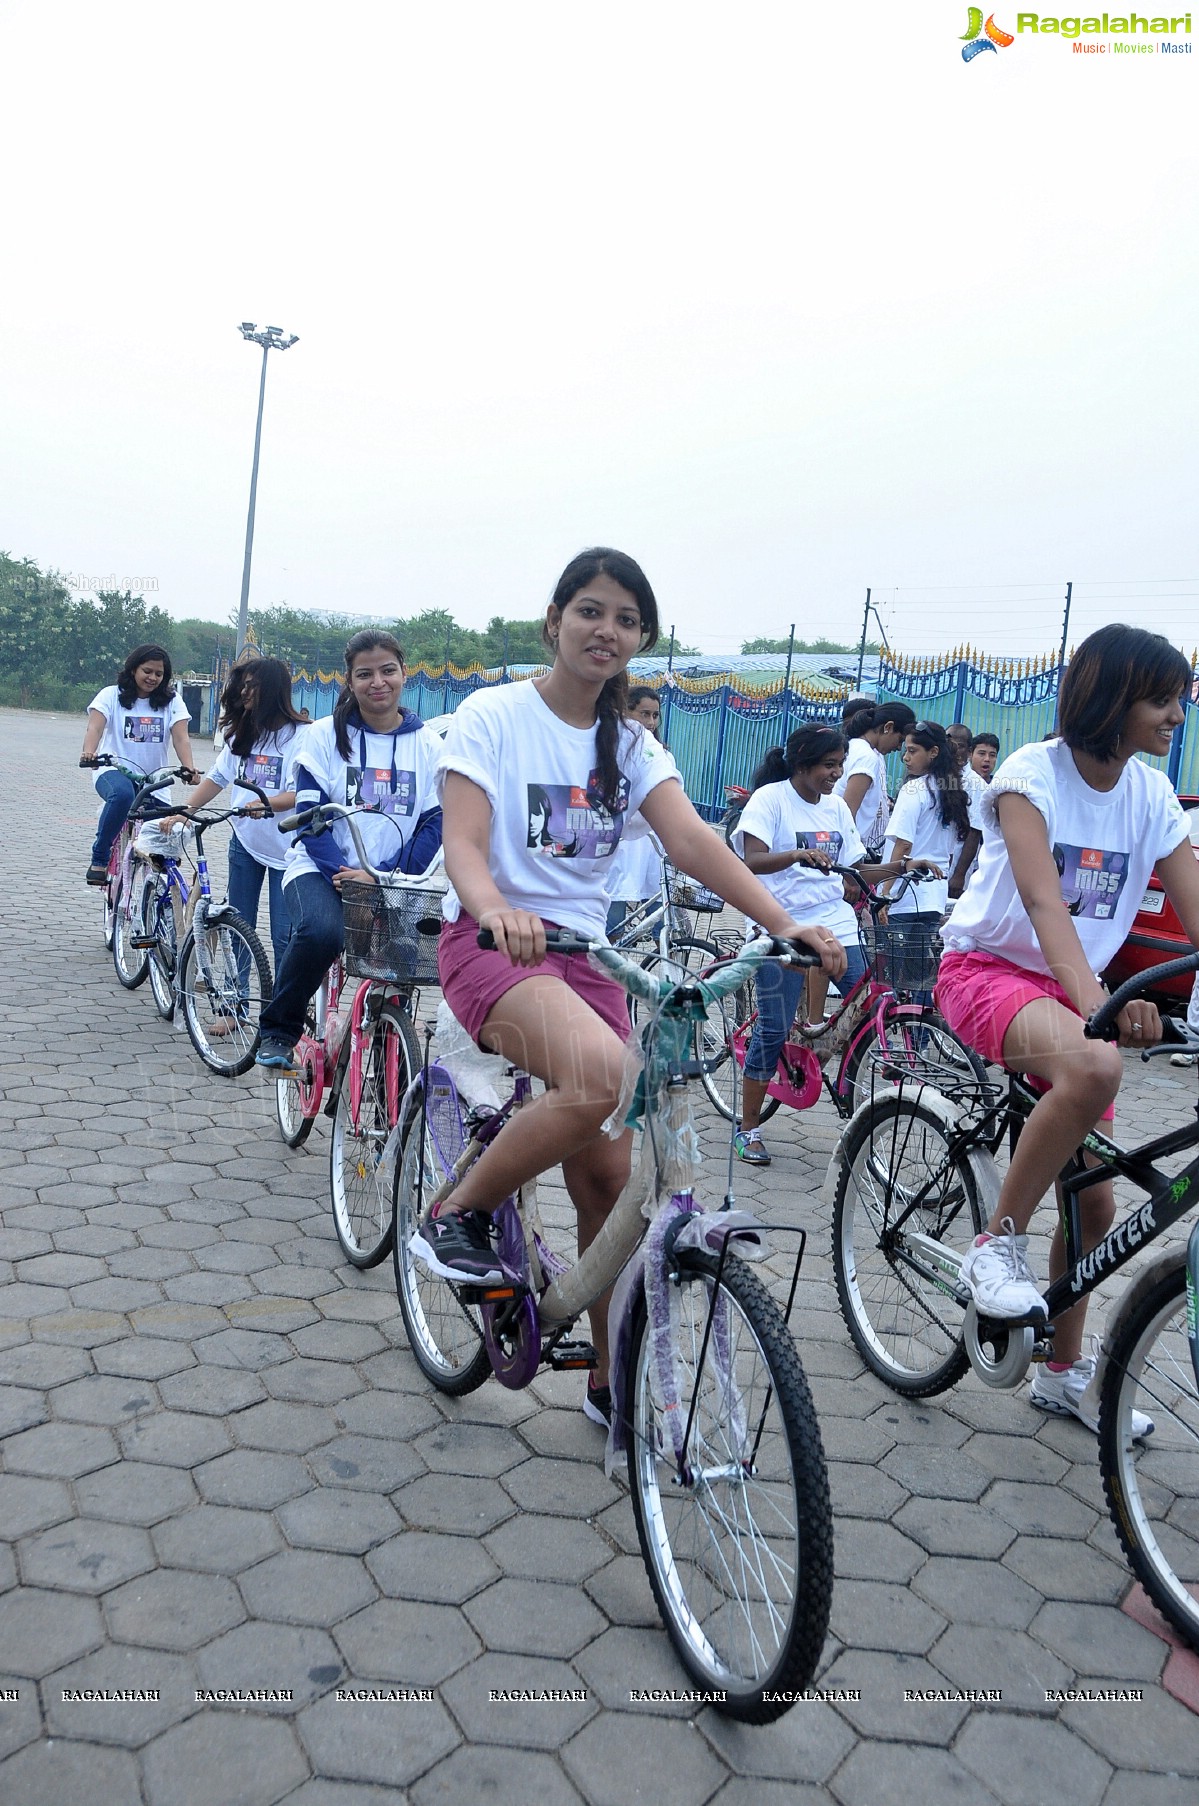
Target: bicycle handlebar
(1102, 1025)
(723, 979)
(875, 897)
(318, 818)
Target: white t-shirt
(270, 764)
(390, 775)
(635, 869)
(138, 737)
(552, 841)
(1105, 843)
(778, 816)
(916, 817)
(875, 807)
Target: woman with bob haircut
(372, 753)
(564, 741)
(131, 722)
(1072, 829)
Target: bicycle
(917, 1181)
(131, 962)
(366, 1063)
(711, 1407)
(875, 1033)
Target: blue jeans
(316, 940)
(117, 792)
(779, 989)
(245, 888)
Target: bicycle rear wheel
(912, 1044)
(1152, 1491)
(724, 1080)
(738, 1545)
(161, 912)
(898, 1182)
(360, 1185)
(445, 1335)
(224, 980)
(131, 963)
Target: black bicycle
(917, 1181)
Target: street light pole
(271, 338)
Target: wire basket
(903, 955)
(391, 933)
(687, 893)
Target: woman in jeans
(131, 722)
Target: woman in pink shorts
(539, 781)
(1072, 829)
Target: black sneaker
(275, 1053)
(97, 874)
(458, 1246)
(597, 1404)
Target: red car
(1157, 935)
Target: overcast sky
(785, 300)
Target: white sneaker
(1183, 1059)
(1068, 1395)
(997, 1273)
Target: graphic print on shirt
(1092, 879)
(568, 821)
(821, 840)
(263, 769)
(372, 789)
(144, 730)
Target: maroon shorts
(980, 994)
(474, 980)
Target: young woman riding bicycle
(1072, 829)
(539, 782)
(791, 830)
(371, 752)
(131, 721)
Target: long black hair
(897, 713)
(943, 776)
(368, 640)
(127, 684)
(1111, 670)
(810, 743)
(265, 710)
(612, 705)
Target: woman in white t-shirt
(259, 723)
(1072, 830)
(538, 781)
(131, 721)
(374, 753)
(873, 733)
(933, 821)
(791, 830)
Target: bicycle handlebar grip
(291, 824)
(794, 951)
(557, 940)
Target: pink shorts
(473, 980)
(979, 995)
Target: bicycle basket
(391, 933)
(686, 893)
(902, 955)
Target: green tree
(749, 647)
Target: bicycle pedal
(143, 941)
(491, 1294)
(564, 1357)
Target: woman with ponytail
(872, 734)
(374, 754)
(933, 820)
(539, 783)
(792, 829)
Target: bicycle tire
(1151, 1490)
(906, 1326)
(444, 1334)
(132, 964)
(219, 958)
(912, 1043)
(739, 1551)
(362, 1203)
(723, 1083)
(108, 896)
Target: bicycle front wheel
(160, 911)
(131, 963)
(1151, 1490)
(899, 1188)
(737, 1537)
(224, 980)
(445, 1335)
(359, 1184)
(914, 1045)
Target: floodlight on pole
(271, 338)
